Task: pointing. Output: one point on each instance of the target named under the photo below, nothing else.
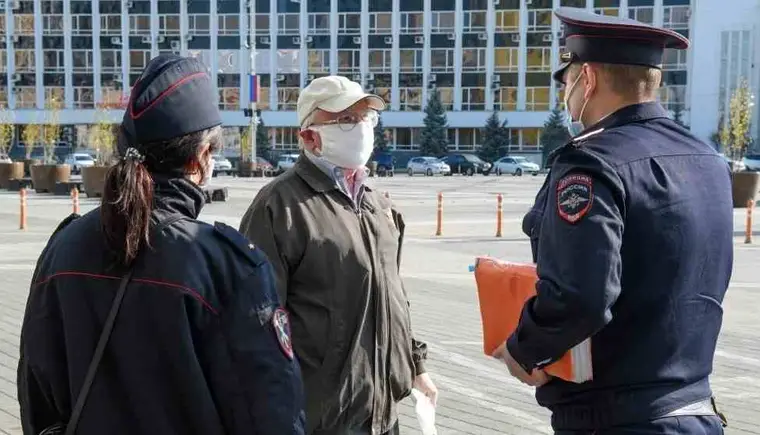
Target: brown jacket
(337, 271)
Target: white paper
(425, 411)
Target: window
(474, 20)
(319, 61)
(380, 60)
(349, 23)
(380, 22)
(537, 98)
(539, 19)
(319, 24)
(3, 28)
(262, 24)
(645, 14)
(138, 60)
(23, 24)
(505, 99)
(507, 21)
(676, 17)
(447, 98)
(198, 23)
(52, 24)
(349, 60)
(289, 24)
(673, 97)
(505, 59)
(443, 22)
(229, 24)
(82, 25)
(467, 138)
(407, 138)
(229, 98)
(53, 60)
(610, 12)
(473, 59)
(24, 60)
(54, 96)
(411, 22)
(139, 24)
(109, 24)
(263, 102)
(473, 99)
(411, 99)
(168, 23)
(539, 59)
(530, 138)
(287, 98)
(82, 60)
(110, 60)
(112, 94)
(674, 59)
(411, 59)
(3, 60)
(442, 59)
(286, 138)
(385, 94)
(26, 97)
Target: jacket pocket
(400, 347)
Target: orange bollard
(75, 199)
(22, 217)
(748, 230)
(499, 213)
(439, 215)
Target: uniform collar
(178, 196)
(629, 114)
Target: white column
(590, 5)
(68, 61)
(10, 57)
(364, 53)
(490, 56)
(334, 36)
(184, 27)
(623, 11)
(244, 54)
(39, 61)
(303, 30)
(458, 30)
(214, 55)
(273, 57)
(555, 55)
(97, 90)
(126, 89)
(427, 18)
(395, 55)
(154, 23)
(658, 13)
(522, 57)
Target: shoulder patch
(281, 325)
(575, 195)
(239, 243)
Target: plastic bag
(425, 410)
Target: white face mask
(575, 127)
(346, 149)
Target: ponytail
(126, 207)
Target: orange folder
(503, 289)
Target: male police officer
(633, 243)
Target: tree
(381, 142)
(31, 135)
(263, 143)
(554, 134)
(740, 120)
(434, 139)
(6, 129)
(495, 138)
(102, 135)
(51, 130)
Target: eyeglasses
(348, 121)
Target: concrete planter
(42, 178)
(10, 171)
(94, 179)
(744, 186)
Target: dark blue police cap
(591, 37)
(173, 97)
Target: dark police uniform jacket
(633, 237)
(194, 349)
(337, 268)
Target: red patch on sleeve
(575, 194)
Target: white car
(77, 161)
(5, 159)
(515, 165)
(427, 165)
(221, 165)
(285, 162)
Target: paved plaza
(477, 394)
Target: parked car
(515, 165)
(221, 165)
(427, 165)
(285, 162)
(5, 159)
(77, 161)
(467, 164)
(265, 165)
(386, 163)
(752, 162)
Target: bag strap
(71, 427)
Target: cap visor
(558, 75)
(343, 102)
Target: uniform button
(251, 246)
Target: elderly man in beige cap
(335, 245)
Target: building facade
(482, 55)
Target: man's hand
(536, 379)
(426, 386)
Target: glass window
(23, 24)
(676, 17)
(506, 99)
(52, 24)
(411, 59)
(198, 23)
(229, 24)
(24, 60)
(443, 22)
(447, 98)
(645, 14)
(168, 23)
(82, 60)
(110, 24)
(287, 99)
(349, 23)
(674, 59)
(442, 59)
(473, 99)
(411, 99)
(540, 19)
(139, 24)
(539, 59)
(473, 59)
(110, 60)
(138, 60)
(319, 23)
(537, 98)
(411, 22)
(506, 59)
(26, 97)
(380, 22)
(384, 93)
(53, 60)
(349, 60)
(610, 12)
(84, 98)
(319, 60)
(262, 24)
(475, 20)
(507, 21)
(289, 24)
(530, 137)
(82, 25)
(380, 60)
(229, 98)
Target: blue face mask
(574, 127)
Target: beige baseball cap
(333, 94)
